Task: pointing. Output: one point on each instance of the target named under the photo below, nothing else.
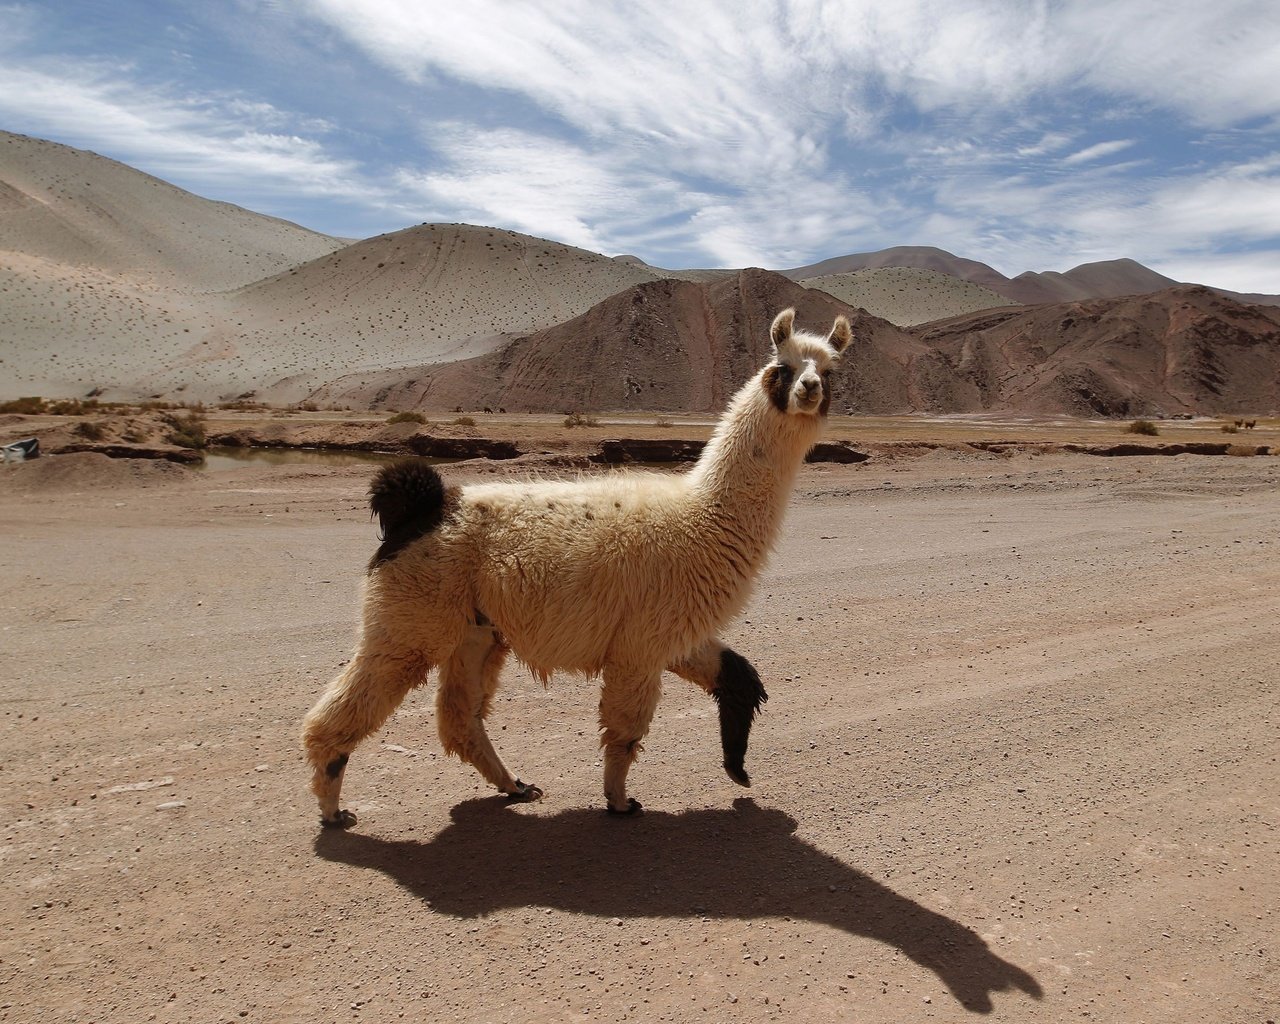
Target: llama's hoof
(633, 807)
(524, 793)
(340, 819)
(738, 774)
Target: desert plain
(1019, 762)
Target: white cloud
(205, 140)
(1249, 272)
(1098, 151)
(761, 131)
(540, 185)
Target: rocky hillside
(685, 346)
(1185, 349)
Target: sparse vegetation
(408, 417)
(1230, 428)
(464, 421)
(186, 431)
(91, 430)
(662, 421)
(32, 405)
(577, 419)
(1143, 427)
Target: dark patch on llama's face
(777, 382)
(825, 407)
(334, 768)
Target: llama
(619, 577)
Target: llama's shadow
(743, 863)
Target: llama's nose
(810, 386)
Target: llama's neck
(749, 466)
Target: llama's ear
(781, 329)
(841, 334)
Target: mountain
(1103, 280)
(678, 345)
(75, 208)
(1184, 349)
(919, 257)
(427, 294)
(115, 283)
(907, 295)
(661, 346)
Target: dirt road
(1019, 760)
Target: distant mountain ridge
(115, 283)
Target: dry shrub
(577, 419)
(1143, 427)
(91, 431)
(186, 431)
(408, 417)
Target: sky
(1027, 134)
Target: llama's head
(798, 381)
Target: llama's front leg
(468, 680)
(627, 703)
(736, 687)
(356, 703)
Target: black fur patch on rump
(409, 499)
(739, 694)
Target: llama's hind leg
(468, 680)
(627, 703)
(356, 703)
(738, 692)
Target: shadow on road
(744, 863)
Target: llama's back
(623, 568)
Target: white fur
(620, 576)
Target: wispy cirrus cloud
(213, 137)
(1098, 151)
(755, 131)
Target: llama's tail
(408, 499)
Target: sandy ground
(1019, 760)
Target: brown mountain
(685, 346)
(1102, 280)
(919, 257)
(663, 346)
(1184, 349)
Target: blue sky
(1028, 135)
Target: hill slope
(74, 207)
(667, 345)
(907, 295)
(1180, 350)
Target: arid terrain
(1019, 762)
(1020, 755)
